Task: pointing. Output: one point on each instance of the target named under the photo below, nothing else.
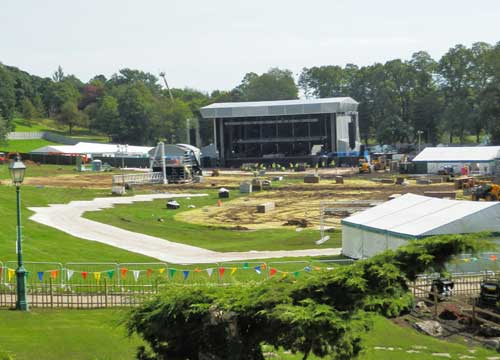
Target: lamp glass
(17, 169)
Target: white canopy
(411, 216)
(86, 148)
(459, 154)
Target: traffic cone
(219, 203)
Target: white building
(479, 159)
(411, 217)
(95, 149)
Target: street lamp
(17, 169)
(419, 132)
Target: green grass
(386, 334)
(143, 217)
(96, 334)
(65, 334)
(43, 243)
(43, 170)
(25, 146)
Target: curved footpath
(68, 218)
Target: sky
(210, 45)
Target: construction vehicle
(489, 294)
(442, 288)
(488, 192)
(364, 166)
(379, 162)
(179, 163)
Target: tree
(107, 116)
(69, 115)
(324, 315)
(276, 84)
(7, 95)
(60, 93)
(130, 76)
(171, 123)
(58, 75)
(326, 81)
(3, 131)
(28, 110)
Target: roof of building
(93, 148)
(279, 107)
(459, 154)
(416, 216)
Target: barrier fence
(94, 285)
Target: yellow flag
(285, 273)
(97, 276)
(161, 271)
(11, 273)
(233, 270)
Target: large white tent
(480, 158)
(410, 217)
(96, 149)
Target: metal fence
(94, 285)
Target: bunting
(171, 273)
(11, 273)
(210, 271)
(53, 274)
(233, 270)
(273, 271)
(221, 272)
(123, 272)
(97, 276)
(40, 275)
(84, 275)
(136, 274)
(493, 257)
(197, 270)
(161, 271)
(245, 266)
(111, 273)
(258, 269)
(186, 274)
(69, 274)
(296, 274)
(307, 268)
(149, 272)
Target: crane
(162, 75)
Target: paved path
(68, 218)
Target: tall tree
(69, 115)
(7, 95)
(276, 84)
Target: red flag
(84, 274)
(53, 274)
(123, 272)
(221, 271)
(149, 272)
(493, 257)
(272, 271)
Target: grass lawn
(65, 334)
(96, 334)
(143, 217)
(43, 243)
(386, 334)
(44, 170)
(25, 146)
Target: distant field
(143, 217)
(25, 146)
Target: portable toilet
(223, 193)
(96, 165)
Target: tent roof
(459, 154)
(279, 107)
(91, 148)
(415, 216)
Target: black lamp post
(17, 169)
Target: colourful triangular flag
(493, 257)
(197, 270)
(233, 270)
(296, 273)
(285, 273)
(186, 274)
(123, 272)
(149, 272)
(161, 271)
(258, 269)
(273, 272)
(53, 274)
(111, 273)
(84, 274)
(11, 273)
(136, 274)
(245, 266)
(210, 271)
(307, 268)
(97, 276)
(171, 272)
(40, 275)
(69, 274)
(221, 271)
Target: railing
(89, 285)
(138, 179)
